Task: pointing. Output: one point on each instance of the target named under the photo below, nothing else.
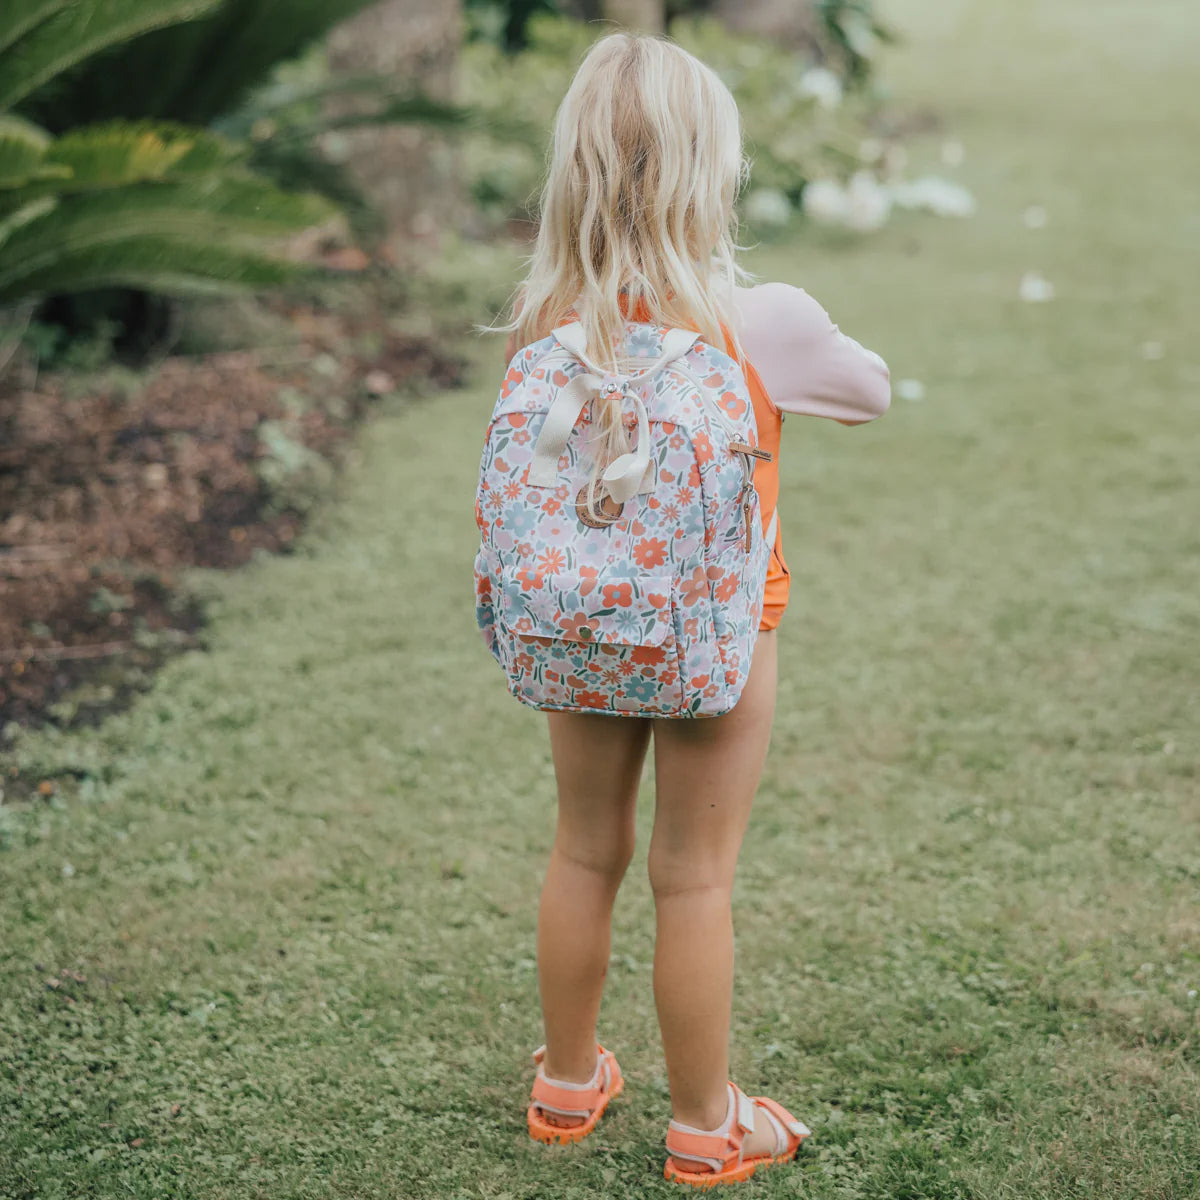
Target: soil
(110, 486)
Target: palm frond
(119, 153)
(163, 265)
(71, 32)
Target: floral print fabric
(658, 613)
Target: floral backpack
(647, 601)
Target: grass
(278, 940)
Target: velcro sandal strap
(783, 1117)
(745, 1109)
(570, 1099)
(714, 1146)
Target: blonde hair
(638, 205)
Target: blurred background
(271, 831)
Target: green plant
(193, 70)
(791, 137)
(852, 33)
(158, 205)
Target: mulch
(108, 490)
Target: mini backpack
(648, 602)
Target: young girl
(638, 224)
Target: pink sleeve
(805, 362)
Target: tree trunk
(787, 22)
(649, 16)
(405, 172)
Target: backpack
(648, 602)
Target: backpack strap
(624, 475)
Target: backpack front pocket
(597, 644)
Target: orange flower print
(650, 552)
(694, 476)
(516, 420)
(512, 490)
(501, 465)
(587, 577)
(685, 495)
(698, 681)
(731, 678)
(696, 588)
(521, 437)
(523, 662)
(618, 595)
(703, 447)
(648, 655)
(691, 627)
(551, 561)
(511, 382)
(733, 404)
(612, 677)
(529, 578)
(573, 681)
(727, 587)
(552, 505)
(591, 700)
(627, 668)
(573, 627)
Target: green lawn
(303, 870)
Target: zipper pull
(746, 513)
(746, 448)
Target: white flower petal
(821, 85)
(825, 201)
(767, 206)
(869, 203)
(1035, 289)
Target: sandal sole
(563, 1135)
(710, 1179)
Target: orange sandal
(587, 1100)
(721, 1148)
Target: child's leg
(598, 764)
(707, 772)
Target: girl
(638, 224)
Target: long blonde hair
(638, 204)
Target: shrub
(794, 133)
(150, 204)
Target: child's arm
(806, 363)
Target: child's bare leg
(598, 764)
(707, 772)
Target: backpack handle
(623, 476)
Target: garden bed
(109, 487)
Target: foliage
(150, 204)
(852, 35)
(791, 134)
(194, 71)
(504, 23)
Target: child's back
(636, 225)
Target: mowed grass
(279, 940)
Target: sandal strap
(572, 1099)
(715, 1146)
(793, 1126)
